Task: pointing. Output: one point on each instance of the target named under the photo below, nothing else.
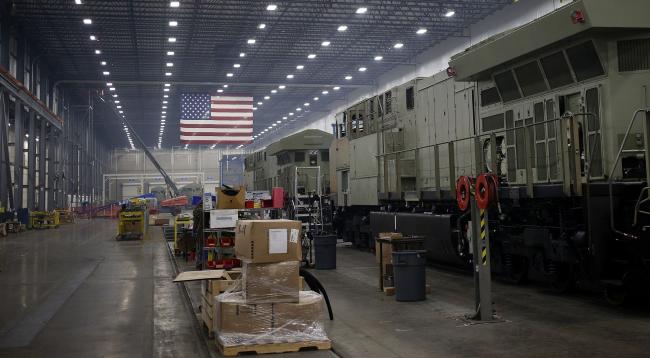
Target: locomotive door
(582, 137)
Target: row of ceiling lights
(311, 56)
(111, 88)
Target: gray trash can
(325, 251)
(409, 275)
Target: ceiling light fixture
(300, 67)
(261, 26)
(337, 88)
(325, 43)
(170, 64)
(306, 104)
(78, 2)
(103, 63)
(291, 113)
(93, 38)
(362, 10)
(220, 90)
(236, 65)
(165, 96)
(225, 86)
(325, 92)
(98, 52)
(311, 56)
(106, 73)
(166, 90)
(342, 28)
(284, 117)
(250, 41)
(229, 74)
(348, 77)
(272, 7)
(267, 97)
(362, 69)
(421, 31)
(170, 53)
(274, 91)
(398, 45)
(174, 3)
(88, 22)
(298, 109)
(168, 74)
(259, 103)
(282, 86)
(379, 58)
(450, 13)
(173, 23)
(171, 39)
(289, 76)
(316, 98)
(242, 54)
(167, 84)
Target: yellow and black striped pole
(483, 231)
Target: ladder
(308, 205)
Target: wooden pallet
(266, 348)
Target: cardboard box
(231, 198)
(235, 317)
(299, 317)
(265, 241)
(387, 249)
(270, 282)
(224, 218)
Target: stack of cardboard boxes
(269, 306)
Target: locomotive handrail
(610, 179)
(497, 131)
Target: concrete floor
(75, 292)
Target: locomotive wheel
(564, 279)
(616, 295)
(516, 270)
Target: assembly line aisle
(76, 292)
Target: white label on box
(294, 236)
(223, 218)
(278, 241)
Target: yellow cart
(44, 219)
(131, 225)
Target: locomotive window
(510, 123)
(634, 55)
(556, 70)
(389, 107)
(584, 61)
(380, 105)
(550, 115)
(371, 109)
(410, 98)
(538, 114)
(325, 155)
(343, 126)
(492, 123)
(354, 123)
(360, 123)
(507, 86)
(490, 96)
(530, 79)
(299, 157)
(313, 159)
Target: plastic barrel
(409, 275)
(325, 251)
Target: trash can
(325, 251)
(409, 275)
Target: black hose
(317, 287)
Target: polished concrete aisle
(76, 292)
(536, 322)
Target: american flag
(207, 119)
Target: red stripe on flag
(231, 110)
(216, 126)
(221, 101)
(223, 134)
(215, 142)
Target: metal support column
(42, 159)
(482, 274)
(31, 161)
(18, 155)
(51, 170)
(5, 173)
